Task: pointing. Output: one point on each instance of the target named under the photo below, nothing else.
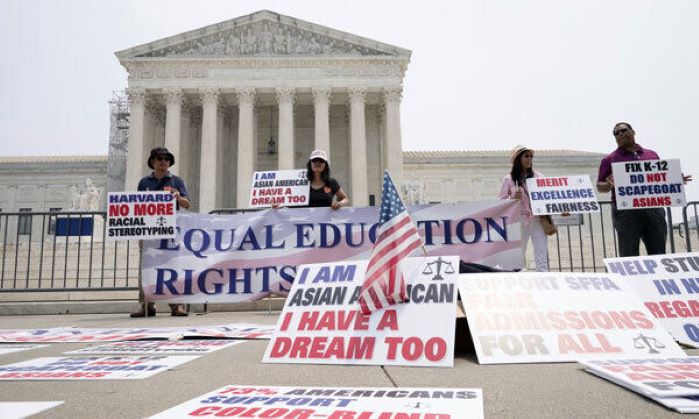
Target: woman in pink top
(514, 186)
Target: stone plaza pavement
(521, 391)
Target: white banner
(559, 317)
(668, 285)
(8, 349)
(140, 215)
(244, 401)
(648, 184)
(556, 195)
(91, 368)
(247, 257)
(180, 347)
(322, 323)
(286, 188)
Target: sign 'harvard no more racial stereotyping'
(141, 215)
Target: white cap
(319, 154)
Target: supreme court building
(260, 92)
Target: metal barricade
(583, 247)
(63, 251)
(67, 251)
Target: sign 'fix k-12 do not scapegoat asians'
(322, 322)
(141, 215)
(648, 184)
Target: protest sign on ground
(141, 215)
(180, 347)
(559, 317)
(17, 410)
(556, 195)
(91, 368)
(117, 334)
(648, 184)
(666, 381)
(668, 285)
(10, 348)
(246, 257)
(333, 403)
(286, 188)
(660, 377)
(322, 323)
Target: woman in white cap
(323, 187)
(514, 186)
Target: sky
(484, 75)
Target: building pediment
(263, 34)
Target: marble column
(321, 108)
(285, 151)
(208, 165)
(186, 156)
(246, 145)
(135, 160)
(392, 144)
(173, 122)
(358, 161)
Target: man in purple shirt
(632, 226)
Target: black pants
(646, 224)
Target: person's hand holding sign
(183, 202)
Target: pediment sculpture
(264, 38)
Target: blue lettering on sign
(692, 331)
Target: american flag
(397, 238)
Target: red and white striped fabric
(397, 237)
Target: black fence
(582, 246)
(63, 251)
(68, 251)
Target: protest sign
(333, 403)
(556, 195)
(91, 368)
(229, 331)
(180, 347)
(17, 410)
(559, 317)
(322, 323)
(648, 184)
(117, 334)
(287, 188)
(8, 349)
(668, 285)
(246, 257)
(661, 377)
(140, 215)
(77, 334)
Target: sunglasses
(620, 132)
(161, 157)
(317, 161)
